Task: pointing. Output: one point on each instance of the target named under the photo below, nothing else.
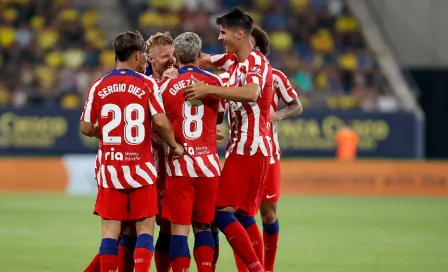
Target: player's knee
(145, 226)
(268, 212)
(246, 221)
(223, 219)
(197, 227)
(111, 229)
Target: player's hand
(196, 90)
(97, 132)
(275, 116)
(276, 83)
(219, 135)
(178, 151)
(170, 73)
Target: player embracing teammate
(123, 103)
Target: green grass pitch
(40, 233)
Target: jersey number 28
(130, 123)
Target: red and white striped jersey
(123, 102)
(159, 147)
(249, 121)
(194, 125)
(287, 94)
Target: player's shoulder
(213, 77)
(257, 58)
(147, 78)
(278, 73)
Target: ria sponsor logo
(114, 156)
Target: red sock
(180, 264)
(270, 250)
(125, 259)
(257, 241)
(215, 258)
(94, 265)
(240, 242)
(142, 259)
(162, 261)
(240, 266)
(109, 263)
(203, 256)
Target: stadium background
(378, 67)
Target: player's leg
(142, 209)
(215, 234)
(162, 248)
(268, 211)
(111, 207)
(177, 208)
(206, 190)
(126, 247)
(233, 189)
(94, 265)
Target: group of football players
(157, 117)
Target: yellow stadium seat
(149, 19)
(348, 62)
(281, 41)
(89, 18)
(321, 80)
(47, 38)
(332, 102)
(299, 4)
(70, 101)
(54, 59)
(10, 14)
(92, 34)
(68, 15)
(322, 41)
(4, 96)
(171, 21)
(46, 76)
(159, 3)
(107, 58)
(74, 58)
(256, 16)
(263, 4)
(347, 24)
(37, 22)
(7, 36)
(347, 102)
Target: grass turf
(40, 233)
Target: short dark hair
(262, 40)
(126, 43)
(236, 18)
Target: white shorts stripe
(114, 177)
(190, 166)
(142, 173)
(127, 176)
(204, 168)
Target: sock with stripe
(238, 240)
(215, 235)
(126, 249)
(108, 255)
(203, 251)
(179, 253)
(250, 224)
(270, 239)
(143, 252)
(94, 265)
(162, 253)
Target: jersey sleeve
(223, 61)
(155, 100)
(285, 91)
(257, 71)
(89, 114)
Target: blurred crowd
(58, 48)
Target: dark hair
(236, 18)
(262, 40)
(126, 43)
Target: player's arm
(89, 115)
(287, 93)
(89, 129)
(216, 61)
(198, 90)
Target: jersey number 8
(130, 123)
(193, 112)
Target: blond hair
(159, 39)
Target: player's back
(124, 111)
(194, 124)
